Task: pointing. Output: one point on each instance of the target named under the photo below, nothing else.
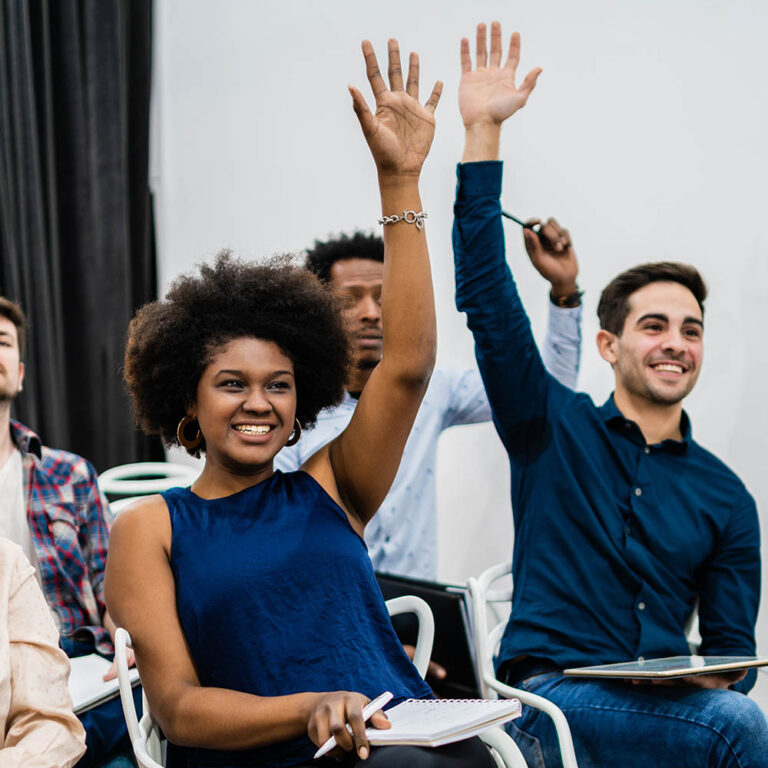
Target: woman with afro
(257, 624)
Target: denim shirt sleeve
(729, 595)
(516, 380)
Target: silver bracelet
(409, 217)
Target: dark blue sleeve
(518, 385)
(730, 589)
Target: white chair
(487, 639)
(145, 477)
(145, 733)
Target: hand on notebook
(329, 715)
(111, 673)
(723, 680)
(433, 670)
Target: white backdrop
(646, 136)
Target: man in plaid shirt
(51, 505)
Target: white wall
(646, 136)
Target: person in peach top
(37, 726)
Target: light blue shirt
(402, 536)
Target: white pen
(368, 711)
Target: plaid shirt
(69, 519)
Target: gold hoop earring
(296, 434)
(181, 435)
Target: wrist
(398, 179)
(566, 295)
(481, 142)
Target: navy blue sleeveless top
(276, 595)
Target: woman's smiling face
(246, 403)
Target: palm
(400, 133)
(489, 93)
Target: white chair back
(146, 477)
(487, 639)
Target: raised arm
(516, 380)
(365, 457)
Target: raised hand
(488, 93)
(400, 132)
(551, 252)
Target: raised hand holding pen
(551, 251)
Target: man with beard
(402, 537)
(622, 521)
(51, 506)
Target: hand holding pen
(352, 735)
(550, 250)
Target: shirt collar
(25, 439)
(614, 417)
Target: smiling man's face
(357, 282)
(11, 368)
(658, 355)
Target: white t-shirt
(13, 511)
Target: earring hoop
(181, 434)
(296, 434)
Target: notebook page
(432, 720)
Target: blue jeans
(615, 723)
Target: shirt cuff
(482, 179)
(565, 321)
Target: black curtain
(76, 227)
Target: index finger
(355, 720)
(466, 61)
(378, 86)
(513, 57)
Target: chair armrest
(426, 636)
(539, 702)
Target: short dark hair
(358, 245)
(614, 300)
(170, 342)
(15, 314)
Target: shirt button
(638, 491)
(646, 449)
(641, 606)
(628, 530)
(641, 658)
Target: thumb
(532, 243)
(379, 720)
(364, 115)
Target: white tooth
(253, 429)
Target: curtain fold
(76, 231)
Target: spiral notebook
(434, 722)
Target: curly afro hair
(359, 245)
(171, 342)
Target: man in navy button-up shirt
(622, 521)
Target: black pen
(533, 227)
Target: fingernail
(363, 752)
